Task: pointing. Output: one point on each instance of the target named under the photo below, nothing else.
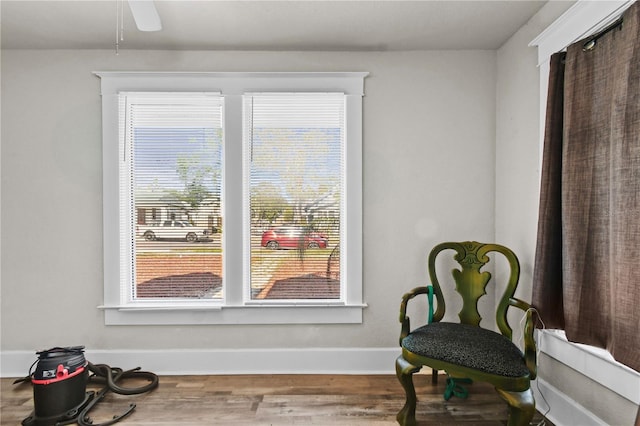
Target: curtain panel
(587, 266)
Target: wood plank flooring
(280, 400)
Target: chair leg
(404, 371)
(434, 376)
(522, 406)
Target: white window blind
(170, 196)
(294, 160)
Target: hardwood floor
(280, 400)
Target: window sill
(200, 314)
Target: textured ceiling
(269, 25)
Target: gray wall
(429, 132)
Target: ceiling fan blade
(145, 14)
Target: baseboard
(595, 363)
(560, 409)
(564, 411)
(228, 361)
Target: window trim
(234, 310)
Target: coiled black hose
(110, 375)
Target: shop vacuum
(60, 395)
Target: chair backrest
(471, 282)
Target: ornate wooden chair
(465, 350)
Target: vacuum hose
(110, 375)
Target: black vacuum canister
(59, 381)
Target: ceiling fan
(145, 15)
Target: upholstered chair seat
(468, 346)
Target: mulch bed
(196, 285)
(310, 286)
(193, 275)
(197, 276)
(306, 279)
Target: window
(232, 198)
(294, 151)
(171, 150)
(582, 19)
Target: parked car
(176, 229)
(292, 237)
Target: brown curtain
(587, 267)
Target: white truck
(173, 229)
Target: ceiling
(348, 25)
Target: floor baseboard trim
(562, 410)
(228, 361)
(595, 363)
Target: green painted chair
(464, 349)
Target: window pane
(295, 149)
(175, 147)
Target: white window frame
(234, 309)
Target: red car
(292, 237)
